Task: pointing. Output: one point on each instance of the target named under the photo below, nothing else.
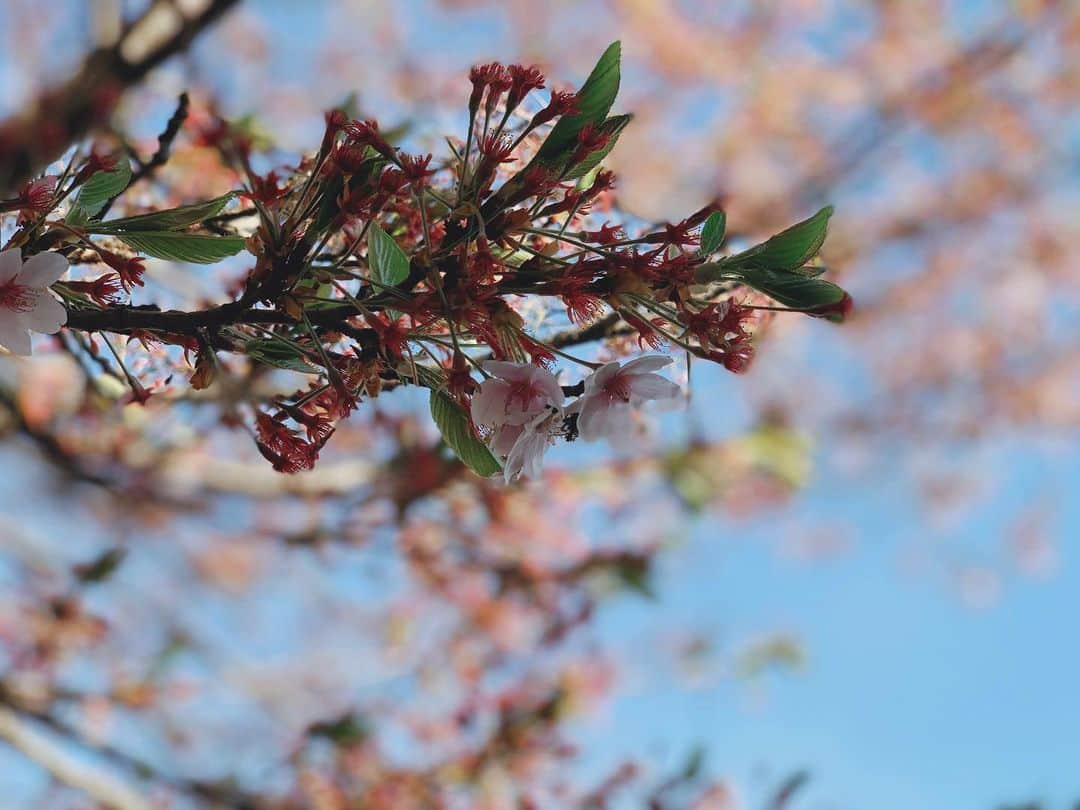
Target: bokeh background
(859, 589)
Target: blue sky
(910, 698)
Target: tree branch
(103, 787)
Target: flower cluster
(377, 267)
(522, 408)
(25, 304)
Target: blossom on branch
(605, 410)
(25, 304)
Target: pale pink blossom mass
(521, 404)
(521, 407)
(605, 410)
(25, 303)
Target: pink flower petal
(47, 316)
(10, 264)
(651, 362)
(652, 386)
(13, 335)
(43, 269)
(489, 404)
(601, 377)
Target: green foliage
(777, 268)
(389, 263)
(789, 249)
(101, 567)
(456, 431)
(173, 219)
(349, 729)
(183, 247)
(594, 101)
(712, 233)
(279, 354)
(793, 289)
(612, 127)
(635, 575)
(99, 189)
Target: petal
(503, 440)
(47, 316)
(489, 404)
(653, 386)
(590, 419)
(514, 462)
(10, 264)
(526, 456)
(534, 458)
(650, 362)
(515, 372)
(598, 379)
(544, 381)
(43, 269)
(625, 432)
(612, 421)
(13, 336)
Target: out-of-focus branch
(65, 114)
(16, 718)
(103, 787)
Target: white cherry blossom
(605, 409)
(522, 405)
(526, 454)
(515, 394)
(25, 302)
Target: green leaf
(279, 354)
(634, 573)
(349, 729)
(183, 247)
(793, 289)
(789, 249)
(594, 101)
(389, 263)
(457, 433)
(102, 187)
(612, 127)
(712, 233)
(101, 567)
(174, 219)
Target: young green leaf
(794, 289)
(612, 127)
(594, 101)
(279, 354)
(173, 219)
(454, 426)
(102, 187)
(712, 233)
(183, 247)
(389, 263)
(789, 249)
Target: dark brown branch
(178, 322)
(161, 155)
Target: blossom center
(17, 297)
(618, 388)
(524, 392)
